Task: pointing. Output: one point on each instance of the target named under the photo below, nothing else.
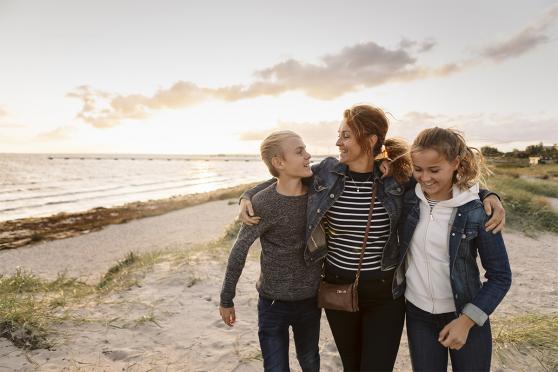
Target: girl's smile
(434, 173)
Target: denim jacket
(324, 188)
(467, 239)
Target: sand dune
(171, 322)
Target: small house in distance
(534, 160)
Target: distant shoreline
(157, 157)
(20, 232)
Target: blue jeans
(427, 354)
(274, 319)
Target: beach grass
(119, 272)
(529, 195)
(523, 169)
(231, 232)
(30, 307)
(129, 271)
(531, 335)
(534, 186)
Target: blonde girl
(447, 306)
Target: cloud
(57, 134)
(502, 131)
(525, 40)
(104, 110)
(11, 125)
(319, 135)
(482, 129)
(420, 47)
(359, 66)
(3, 124)
(519, 44)
(356, 67)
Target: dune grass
(516, 170)
(535, 335)
(534, 186)
(231, 232)
(525, 192)
(30, 307)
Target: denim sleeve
(324, 165)
(494, 259)
(316, 167)
(248, 194)
(237, 259)
(410, 185)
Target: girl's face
(295, 161)
(350, 151)
(434, 173)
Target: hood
(460, 197)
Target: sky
(215, 77)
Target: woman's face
(434, 173)
(350, 151)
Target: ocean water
(41, 185)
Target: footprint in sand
(115, 354)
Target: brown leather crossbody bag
(345, 296)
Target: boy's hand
(228, 315)
(246, 213)
(454, 335)
(493, 206)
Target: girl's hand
(228, 315)
(493, 206)
(454, 335)
(246, 213)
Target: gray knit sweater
(284, 274)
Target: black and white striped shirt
(345, 226)
(431, 203)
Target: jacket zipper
(427, 259)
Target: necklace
(354, 182)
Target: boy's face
(295, 161)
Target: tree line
(549, 152)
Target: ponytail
(472, 168)
(397, 153)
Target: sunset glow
(176, 77)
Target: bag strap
(372, 202)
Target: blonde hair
(367, 120)
(271, 147)
(451, 144)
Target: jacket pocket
(466, 244)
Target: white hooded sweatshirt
(428, 266)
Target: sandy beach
(169, 321)
(88, 256)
